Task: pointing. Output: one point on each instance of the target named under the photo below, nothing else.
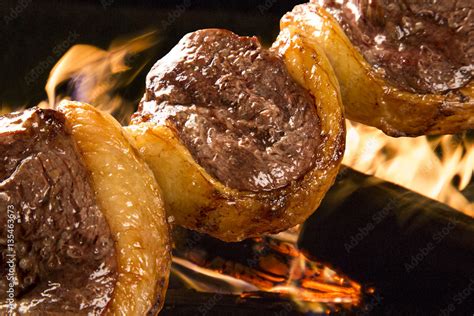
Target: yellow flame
(414, 162)
(97, 72)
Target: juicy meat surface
(236, 108)
(57, 252)
(420, 46)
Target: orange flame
(281, 269)
(99, 74)
(427, 165)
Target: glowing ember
(261, 265)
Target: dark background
(31, 30)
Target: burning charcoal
(408, 246)
(259, 267)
